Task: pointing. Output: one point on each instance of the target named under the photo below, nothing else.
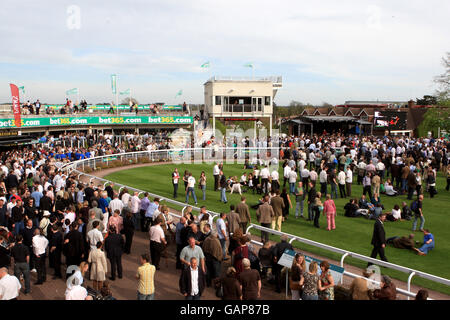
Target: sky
(326, 51)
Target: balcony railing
(242, 108)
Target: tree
(127, 101)
(426, 100)
(326, 104)
(443, 81)
(294, 103)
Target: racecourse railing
(197, 155)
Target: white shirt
(216, 170)
(323, 176)
(265, 173)
(191, 182)
(93, 237)
(341, 177)
(135, 201)
(313, 175)
(305, 173)
(194, 281)
(115, 204)
(287, 169)
(76, 293)
(301, 164)
(126, 199)
(156, 233)
(221, 228)
(40, 243)
(70, 215)
(275, 175)
(292, 176)
(349, 178)
(9, 287)
(396, 213)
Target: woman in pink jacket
(329, 209)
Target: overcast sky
(325, 50)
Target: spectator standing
(99, 267)
(329, 210)
(311, 283)
(157, 243)
(379, 238)
(114, 248)
(231, 286)
(192, 281)
(264, 214)
(222, 232)
(21, 255)
(299, 198)
(244, 214)
(190, 189)
(146, 274)
(416, 207)
(250, 281)
(9, 285)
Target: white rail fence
(198, 155)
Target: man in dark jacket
(277, 252)
(311, 199)
(379, 238)
(192, 293)
(73, 246)
(55, 250)
(114, 244)
(46, 202)
(28, 234)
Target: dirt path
(349, 268)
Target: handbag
(294, 285)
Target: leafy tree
(426, 100)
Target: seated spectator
(428, 243)
(402, 242)
(422, 295)
(388, 290)
(353, 211)
(376, 212)
(389, 189)
(359, 288)
(395, 214)
(365, 204)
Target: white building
(241, 98)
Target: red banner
(15, 104)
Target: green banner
(70, 121)
(172, 107)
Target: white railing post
(342, 264)
(409, 281)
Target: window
(267, 101)
(218, 100)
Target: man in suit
(277, 252)
(114, 244)
(379, 238)
(55, 250)
(277, 204)
(244, 214)
(192, 281)
(311, 199)
(264, 214)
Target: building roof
(330, 118)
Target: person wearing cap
(388, 290)
(379, 238)
(45, 222)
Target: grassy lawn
(352, 234)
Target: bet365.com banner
(113, 120)
(120, 107)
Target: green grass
(352, 234)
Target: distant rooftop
(273, 79)
(375, 102)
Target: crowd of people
(46, 214)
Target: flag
(15, 104)
(125, 92)
(22, 88)
(114, 83)
(205, 65)
(179, 93)
(249, 65)
(72, 91)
